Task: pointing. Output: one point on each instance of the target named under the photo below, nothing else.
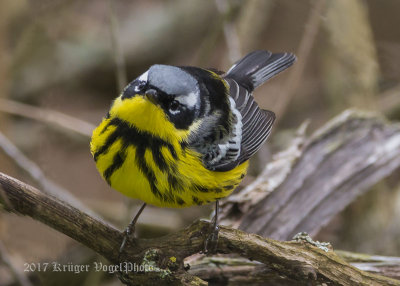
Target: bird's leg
(211, 242)
(130, 230)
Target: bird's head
(171, 89)
(184, 97)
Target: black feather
(247, 74)
(259, 66)
(244, 76)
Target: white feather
(190, 100)
(234, 141)
(144, 76)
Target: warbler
(182, 136)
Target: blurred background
(73, 58)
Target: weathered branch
(316, 178)
(242, 271)
(384, 265)
(90, 231)
(294, 260)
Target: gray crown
(172, 80)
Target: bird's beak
(151, 95)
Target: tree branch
(88, 230)
(166, 255)
(242, 271)
(308, 184)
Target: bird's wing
(259, 66)
(255, 126)
(255, 123)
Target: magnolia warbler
(182, 136)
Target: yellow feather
(147, 117)
(197, 184)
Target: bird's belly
(157, 171)
(180, 182)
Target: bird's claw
(129, 234)
(211, 242)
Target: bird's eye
(174, 106)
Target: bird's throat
(146, 116)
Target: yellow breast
(142, 155)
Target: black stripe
(132, 136)
(159, 159)
(169, 197)
(229, 187)
(197, 201)
(179, 201)
(151, 177)
(184, 145)
(104, 148)
(118, 160)
(142, 140)
(202, 189)
(172, 151)
(173, 181)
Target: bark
(294, 260)
(304, 187)
(240, 271)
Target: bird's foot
(129, 234)
(211, 242)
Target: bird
(179, 136)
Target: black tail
(258, 67)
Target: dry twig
(49, 116)
(120, 65)
(304, 50)
(19, 276)
(37, 174)
(231, 36)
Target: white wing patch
(236, 139)
(230, 151)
